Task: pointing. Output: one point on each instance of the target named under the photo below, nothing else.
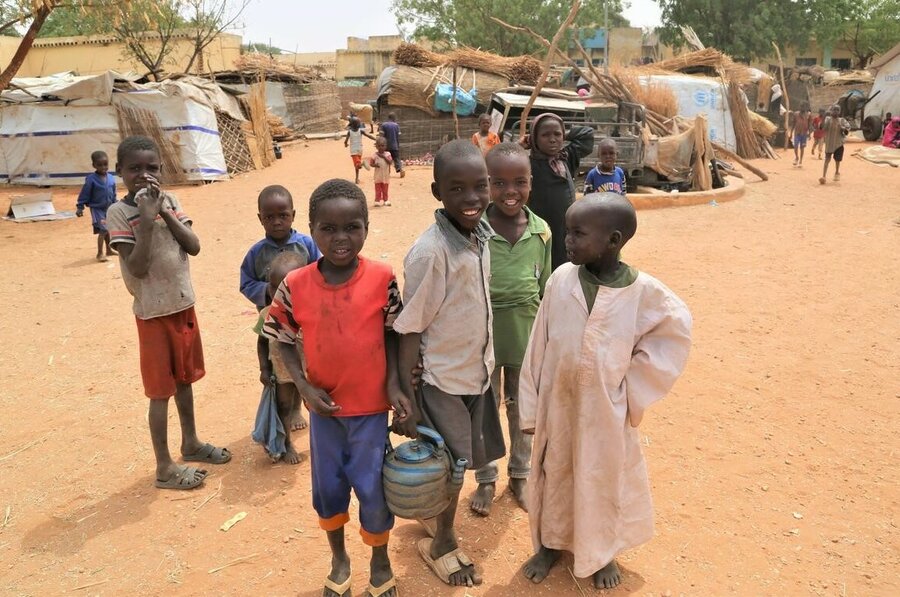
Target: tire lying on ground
(871, 128)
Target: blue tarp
(465, 100)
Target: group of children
(387, 154)
(828, 130)
(516, 293)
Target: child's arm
(407, 360)
(180, 227)
(316, 399)
(581, 142)
(253, 289)
(532, 363)
(658, 358)
(136, 256)
(83, 197)
(365, 134)
(548, 264)
(402, 400)
(347, 139)
(265, 366)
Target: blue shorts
(800, 140)
(345, 453)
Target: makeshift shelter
(49, 127)
(887, 84)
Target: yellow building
(90, 55)
(365, 58)
(625, 46)
(326, 62)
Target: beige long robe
(585, 384)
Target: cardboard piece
(35, 207)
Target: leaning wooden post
(453, 104)
(784, 94)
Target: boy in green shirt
(520, 265)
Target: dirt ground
(771, 461)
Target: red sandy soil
(771, 461)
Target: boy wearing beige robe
(608, 341)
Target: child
(447, 317)
(484, 139)
(276, 214)
(98, 193)
(343, 307)
(555, 157)
(836, 128)
(520, 266)
(608, 342)
(606, 177)
(271, 366)
(381, 161)
(154, 238)
(800, 133)
(391, 132)
(355, 132)
(818, 134)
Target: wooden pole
(453, 104)
(733, 156)
(548, 61)
(784, 94)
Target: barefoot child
(608, 342)
(154, 238)
(98, 193)
(381, 162)
(800, 132)
(606, 177)
(520, 266)
(272, 372)
(343, 307)
(818, 134)
(391, 131)
(355, 132)
(555, 157)
(484, 139)
(836, 128)
(447, 318)
(276, 214)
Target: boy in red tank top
(343, 307)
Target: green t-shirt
(624, 276)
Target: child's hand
(318, 401)
(79, 212)
(266, 377)
(416, 373)
(525, 141)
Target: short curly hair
(98, 155)
(135, 143)
(337, 188)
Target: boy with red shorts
(154, 237)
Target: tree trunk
(24, 46)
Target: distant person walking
(391, 132)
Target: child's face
(510, 177)
(381, 145)
(588, 237)
(101, 166)
(484, 125)
(608, 156)
(138, 168)
(464, 191)
(835, 111)
(550, 137)
(354, 123)
(339, 229)
(276, 214)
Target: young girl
(355, 132)
(381, 162)
(555, 157)
(343, 307)
(98, 193)
(484, 139)
(818, 134)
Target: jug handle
(431, 436)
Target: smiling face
(463, 189)
(138, 167)
(608, 155)
(339, 228)
(510, 177)
(550, 134)
(101, 165)
(276, 214)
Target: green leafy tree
(745, 29)
(261, 49)
(468, 23)
(867, 27)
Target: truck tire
(871, 128)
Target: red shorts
(357, 161)
(381, 191)
(171, 353)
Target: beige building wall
(365, 58)
(90, 55)
(625, 47)
(324, 61)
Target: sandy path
(773, 462)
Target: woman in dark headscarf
(555, 157)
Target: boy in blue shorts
(276, 214)
(98, 193)
(606, 177)
(343, 307)
(520, 265)
(447, 318)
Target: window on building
(597, 61)
(806, 61)
(579, 61)
(841, 63)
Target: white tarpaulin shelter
(49, 126)
(702, 95)
(887, 81)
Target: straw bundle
(414, 87)
(851, 77)
(266, 65)
(523, 69)
(708, 62)
(655, 96)
(277, 128)
(138, 121)
(762, 126)
(408, 54)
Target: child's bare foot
(291, 456)
(518, 487)
(381, 576)
(822, 180)
(339, 575)
(101, 257)
(298, 422)
(538, 566)
(608, 576)
(111, 253)
(483, 498)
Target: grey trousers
(519, 443)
